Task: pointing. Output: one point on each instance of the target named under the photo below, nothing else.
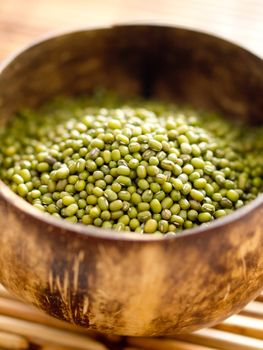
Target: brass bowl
(124, 283)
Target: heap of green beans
(141, 166)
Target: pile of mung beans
(140, 166)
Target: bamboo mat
(24, 327)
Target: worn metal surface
(126, 284)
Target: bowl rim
(26, 208)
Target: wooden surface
(21, 21)
(24, 327)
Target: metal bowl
(125, 283)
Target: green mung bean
(110, 163)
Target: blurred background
(24, 20)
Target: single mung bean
(150, 226)
(166, 214)
(163, 226)
(143, 216)
(71, 210)
(196, 195)
(124, 180)
(143, 206)
(232, 195)
(67, 200)
(204, 217)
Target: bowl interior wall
(160, 62)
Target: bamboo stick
(243, 325)
(222, 340)
(12, 341)
(254, 309)
(45, 335)
(164, 344)
(18, 309)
